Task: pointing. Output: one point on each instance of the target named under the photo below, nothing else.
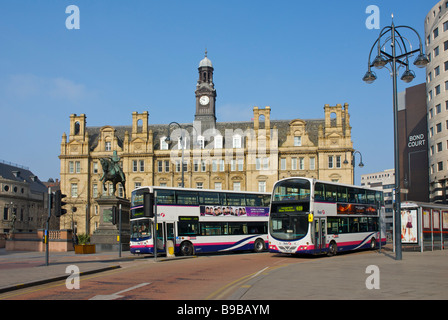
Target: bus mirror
(310, 217)
(148, 205)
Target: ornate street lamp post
(391, 34)
(353, 163)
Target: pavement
(363, 275)
(21, 269)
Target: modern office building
(436, 39)
(239, 155)
(413, 144)
(384, 181)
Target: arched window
(77, 127)
(218, 142)
(237, 141)
(201, 142)
(163, 144)
(333, 119)
(139, 126)
(261, 122)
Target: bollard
(169, 249)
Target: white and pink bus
(198, 220)
(309, 216)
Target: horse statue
(112, 172)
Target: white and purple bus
(309, 216)
(198, 220)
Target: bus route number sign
(290, 209)
(187, 218)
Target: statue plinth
(105, 237)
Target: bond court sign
(417, 140)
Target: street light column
(380, 61)
(182, 145)
(353, 163)
(397, 212)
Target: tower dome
(205, 62)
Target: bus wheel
(258, 245)
(186, 248)
(332, 249)
(373, 244)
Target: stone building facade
(23, 199)
(238, 155)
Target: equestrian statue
(112, 172)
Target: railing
(14, 164)
(54, 234)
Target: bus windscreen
(292, 190)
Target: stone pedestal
(105, 237)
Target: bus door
(165, 232)
(320, 235)
(160, 237)
(169, 232)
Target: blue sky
(142, 55)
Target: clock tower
(205, 96)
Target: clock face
(204, 100)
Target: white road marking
(258, 273)
(116, 295)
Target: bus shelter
(424, 226)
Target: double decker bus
(198, 220)
(309, 216)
